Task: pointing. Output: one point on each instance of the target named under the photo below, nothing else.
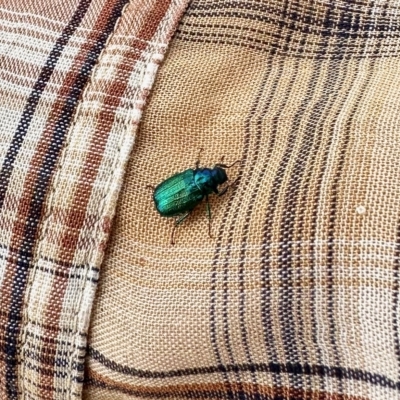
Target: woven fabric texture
(296, 295)
(74, 77)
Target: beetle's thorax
(208, 179)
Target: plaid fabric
(74, 77)
(296, 296)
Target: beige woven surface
(296, 294)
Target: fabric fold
(74, 82)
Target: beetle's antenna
(228, 166)
(198, 158)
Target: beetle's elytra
(178, 195)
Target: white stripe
(40, 17)
(302, 243)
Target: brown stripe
(37, 161)
(25, 199)
(95, 153)
(212, 390)
(98, 31)
(24, 202)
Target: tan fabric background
(296, 295)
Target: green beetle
(178, 195)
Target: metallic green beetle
(178, 195)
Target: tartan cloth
(296, 296)
(74, 77)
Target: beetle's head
(219, 175)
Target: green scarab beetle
(180, 194)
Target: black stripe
(296, 196)
(286, 224)
(41, 186)
(314, 216)
(52, 328)
(290, 271)
(259, 133)
(213, 332)
(34, 97)
(272, 355)
(298, 10)
(13, 253)
(270, 221)
(295, 45)
(243, 186)
(323, 51)
(12, 256)
(292, 28)
(302, 24)
(272, 367)
(333, 213)
(217, 256)
(305, 21)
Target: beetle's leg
(234, 182)
(151, 187)
(224, 190)
(228, 166)
(198, 158)
(178, 221)
(208, 210)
